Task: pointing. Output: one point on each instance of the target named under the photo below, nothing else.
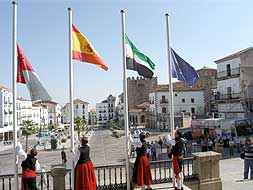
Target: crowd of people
(154, 149)
(219, 143)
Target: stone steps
(162, 186)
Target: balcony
(232, 96)
(228, 73)
(164, 101)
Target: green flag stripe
(142, 56)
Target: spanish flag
(82, 49)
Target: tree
(27, 129)
(80, 125)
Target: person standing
(157, 150)
(161, 143)
(210, 144)
(153, 151)
(85, 178)
(148, 150)
(248, 159)
(177, 152)
(231, 147)
(29, 167)
(141, 172)
(63, 156)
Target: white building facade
(102, 113)
(80, 109)
(6, 117)
(111, 107)
(185, 101)
(54, 111)
(38, 114)
(106, 111)
(234, 88)
(92, 117)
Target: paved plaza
(231, 171)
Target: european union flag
(182, 70)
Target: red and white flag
(27, 75)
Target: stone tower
(139, 89)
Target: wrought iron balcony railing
(228, 73)
(164, 101)
(231, 96)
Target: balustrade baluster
(9, 183)
(48, 181)
(98, 177)
(155, 171)
(104, 177)
(110, 176)
(164, 169)
(121, 176)
(169, 165)
(115, 176)
(160, 172)
(3, 183)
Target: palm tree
(27, 129)
(80, 125)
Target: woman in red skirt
(29, 167)
(141, 172)
(85, 178)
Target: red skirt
(28, 181)
(85, 178)
(142, 173)
(177, 162)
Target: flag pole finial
(14, 2)
(166, 14)
(122, 11)
(69, 9)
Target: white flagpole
(14, 95)
(170, 77)
(170, 85)
(71, 96)
(125, 96)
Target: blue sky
(201, 32)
